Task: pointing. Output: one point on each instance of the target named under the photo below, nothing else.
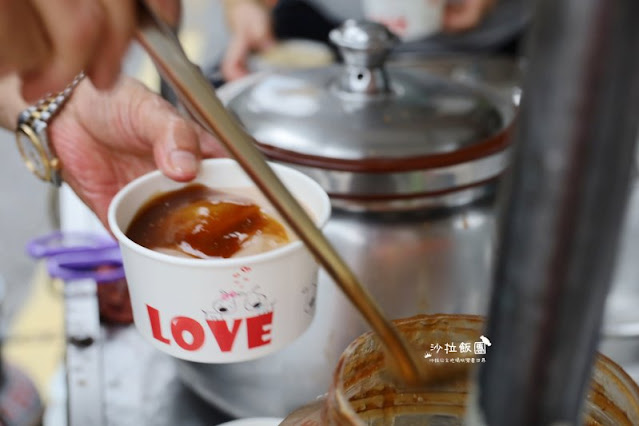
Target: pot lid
(361, 116)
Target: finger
(120, 25)
(234, 62)
(74, 27)
(174, 141)
(463, 16)
(177, 154)
(260, 34)
(169, 11)
(31, 48)
(266, 37)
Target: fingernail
(183, 161)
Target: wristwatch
(32, 136)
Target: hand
(251, 27)
(463, 15)
(106, 139)
(48, 42)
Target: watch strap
(37, 118)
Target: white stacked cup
(409, 19)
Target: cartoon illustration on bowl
(232, 304)
(310, 295)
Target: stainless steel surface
(622, 315)
(297, 111)
(501, 74)
(402, 142)
(620, 333)
(572, 165)
(398, 130)
(140, 387)
(426, 262)
(392, 186)
(363, 130)
(198, 96)
(454, 199)
(418, 259)
(84, 354)
(409, 190)
(364, 47)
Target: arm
(105, 139)
(12, 102)
(48, 42)
(251, 30)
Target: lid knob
(364, 45)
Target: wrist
(12, 103)
(32, 134)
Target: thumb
(173, 139)
(234, 62)
(177, 153)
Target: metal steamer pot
(410, 160)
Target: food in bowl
(201, 222)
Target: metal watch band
(47, 107)
(37, 117)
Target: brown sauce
(201, 222)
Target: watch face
(32, 155)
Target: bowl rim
(325, 212)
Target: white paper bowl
(268, 298)
(409, 19)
